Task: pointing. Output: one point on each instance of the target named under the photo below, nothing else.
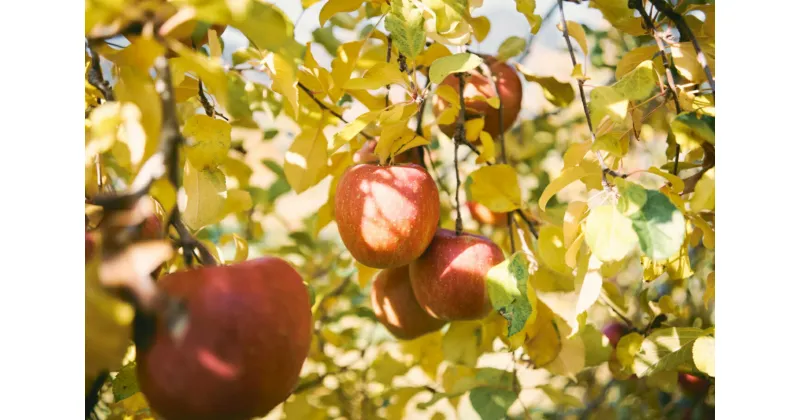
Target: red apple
(693, 386)
(396, 307)
(483, 215)
(477, 84)
(614, 332)
(248, 334)
(386, 215)
(449, 279)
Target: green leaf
(703, 355)
(507, 283)
(511, 47)
(597, 352)
(659, 225)
(456, 63)
(406, 24)
(667, 349)
(609, 233)
(492, 404)
(125, 383)
(638, 84)
(270, 133)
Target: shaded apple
(449, 279)
(485, 216)
(614, 331)
(396, 307)
(240, 355)
(477, 84)
(693, 386)
(386, 215)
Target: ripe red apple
(693, 386)
(483, 215)
(449, 278)
(386, 215)
(477, 84)
(614, 332)
(248, 334)
(396, 307)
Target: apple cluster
(388, 218)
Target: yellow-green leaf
(380, 75)
(208, 140)
(306, 159)
(637, 84)
(284, 80)
(606, 101)
(511, 47)
(526, 7)
(240, 246)
(266, 26)
(628, 347)
(342, 66)
(488, 152)
(567, 177)
(365, 274)
(450, 64)
(495, 187)
(609, 233)
(206, 194)
(576, 212)
(461, 341)
(237, 201)
(406, 23)
(703, 355)
(353, 128)
(634, 57)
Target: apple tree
(377, 224)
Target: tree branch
(327, 108)
(666, 8)
(457, 139)
(95, 76)
(603, 166)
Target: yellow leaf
(266, 26)
(306, 160)
(667, 305)
(365, 274)
(576, 31)
(634, 57)
(628, 347)
(240, 245)
(163, 191)
(571, 257)
(526, 7)
(140, 54)
(353, 128)
(578, 73)
(552, 249)
(576, 212)
(284, 80)
(609, 233)
(703, 355)
(495, 187)
(556, 92)
(488, 152)
(576, 152)
(617, 13)
(685, 58)
(380, 75)
(473, 129)
(675, 181)
(237, 201)
(342, 66)
(703, 197)
(426, 351)
(456, 63)
(333, 7)
(567, 177)
(206, 194)
(637, 84)
(480, 27)
(208, 140)
(572, 357)
(432, 53)
(545, 344)
(137, 87)
(110, 122)
(449, 94)
(710, 288)
(461, 341)
(209, 70)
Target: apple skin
(396, 307)
(386, 215)
(614, 332)
(476, 84)
(693, 386)
(449, 278)
(248, 335)
(483, 215)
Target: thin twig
(603, 166)
(666, 8)
(457, 139)
(510, 222)
(388, 60)
(95, 77)
(325, 107)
